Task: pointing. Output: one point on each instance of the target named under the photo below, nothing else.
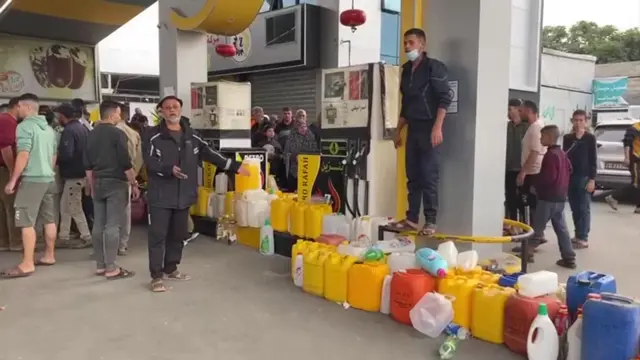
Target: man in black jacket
(172, 154)
(71, 149)
(425, 93)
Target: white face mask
(413, 54)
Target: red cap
(441, 273)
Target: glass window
(281, 29)
(392, 5)
(610, 133)
(390, 36)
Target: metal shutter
(296, 89)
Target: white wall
(526, 19)
(565, 86)
(133, 48)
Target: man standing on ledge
(424, 86)
(172, 154)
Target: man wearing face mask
(172, 152)
(425, 93)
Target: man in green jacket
(33, 181)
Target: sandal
(14, 273)
(569, 264)
(44, 263)
(177, 275)
(428, 229)
(579, 245)
(403, 225)
(123, 274)
(157, 286)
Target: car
(612, 173)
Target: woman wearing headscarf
(300, 141)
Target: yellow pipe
(410, 17)
(484, 239)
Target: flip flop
(402, 225)
(123, 274)
(428, 230)
(14, 273)
(157, 286)
(44, 263)
(177, 275)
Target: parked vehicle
(612, 172)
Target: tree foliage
(607, 43)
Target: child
(551, 186)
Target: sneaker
(613, 203)
(569, 264)
(123, 251)
(191, 237)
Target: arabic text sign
(608, 92)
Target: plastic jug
(296, 219)
(221, 183)
(431, 262)
(280, 209)
(574, 339)
(399, 244)
(229, 202)
(334, 240)
(402, 261)
(203, 201)
(331, 223)
(487, 312)
(546, 344)
(431, 314)
(460, 289)
(218, 211)
(313, 218)
(336, 276)
(538, 283)
(257, 213)
(362, 231)
(610, 328)
(519, 313)
(365, 285)
(509, 280)
(313, 275)
(467, 260)
(267, 242)
(351, 249)
(581, 285)
(385, 297)
(251, 182)
(449, 253)
(487, 277)
(211, 206)
(299, 249)
(407, 288)
(241, 209)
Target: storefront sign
(242, 42)
(50, 70)
(609, 92)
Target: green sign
(608, 92)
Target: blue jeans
(580, 203)
(554, 211)
(422, 162)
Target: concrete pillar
(183, 57)
(472, 37)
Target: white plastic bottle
(298, 278)
(221, 183)
(547, 343)
(574, 339)
(267, 242)
(385, 301)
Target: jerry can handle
(586, 279)
(616, 297)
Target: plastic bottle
(449, 253)
(298, 271)
(448, 348)
(574, 339)
(546, 344)
(538, 283)
(267, 242)
(385, 301)
(431, 262)
(467, 260)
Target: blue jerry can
(587, 282)
(610, 328)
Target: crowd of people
(57, 169)
(284, 139)
(543, 172)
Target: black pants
(630, 192)
(422, 163)
(167, 230)
(513, 200)
(87, 208)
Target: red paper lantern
(353, 18)
(226, 50)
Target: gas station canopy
(90, 21)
